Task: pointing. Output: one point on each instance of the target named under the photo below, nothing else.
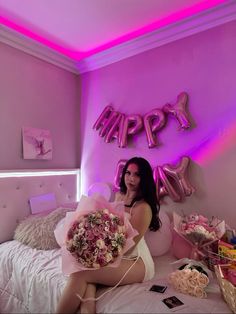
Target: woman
(138, 192)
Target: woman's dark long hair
(147, 189)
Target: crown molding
(210, 18)
(36, 49)
(197, 23)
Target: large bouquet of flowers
(95, 235)
(198, 231)
(190, 278)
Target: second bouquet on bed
(198, 231)
(97, 234)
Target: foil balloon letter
(129, 125)
(113, 133)
(179, 174)
(119, 168)
(179, 110)
(164, 186)
(153, 122)
(103, 117)
(108, 123)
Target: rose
(189, 281)
(100, 244)
(183, 286)
(203, 280)
(193, 278)
(199, 292)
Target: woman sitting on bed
(138, 191)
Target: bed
(31, 280)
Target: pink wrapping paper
(85, 206)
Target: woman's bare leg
(89, 307)
(69, 302)
(78, 282)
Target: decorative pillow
(71, 205)
(37, 231)
(159, 242)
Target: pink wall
(203, 65)
(37, 94)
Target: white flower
(199, 292)
(108, 257)
(100, 243)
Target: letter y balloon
(178, 110)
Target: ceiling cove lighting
(79, 55)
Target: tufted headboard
(17, 187)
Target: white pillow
(37, 231)
(159, 242)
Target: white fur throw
(37, 231)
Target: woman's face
(132, 177)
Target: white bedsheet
(31, 282)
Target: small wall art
(37, 143)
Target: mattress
(31, 281)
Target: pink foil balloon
(108, 123)
(103, 117)
(179, 174)
(179, 110)
(129, 125)
(113, 132)
(119, 168)
(164, 186)
(153, 122)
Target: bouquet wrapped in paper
(198, 231)
(190, 277)
(96, 234)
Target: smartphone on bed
(173, 303)
(158, 288)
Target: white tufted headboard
(17, 187)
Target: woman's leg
(69, 302)
(109, 276)
(89, 307)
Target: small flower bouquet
(191, 278)
(198, 231)
(97, 234)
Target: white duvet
(31, 281)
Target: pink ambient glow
(218, 145)
(78, 55)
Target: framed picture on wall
(37, 143)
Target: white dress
(141, 250)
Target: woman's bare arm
(140, 220)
